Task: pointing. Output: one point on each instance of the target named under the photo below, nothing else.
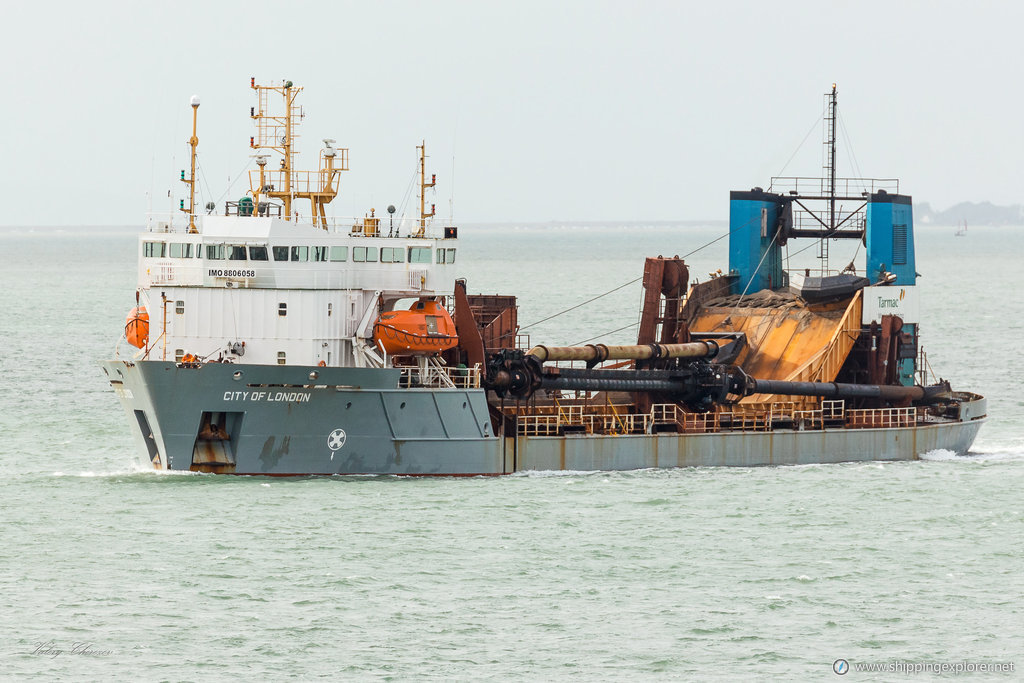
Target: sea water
(111, 572)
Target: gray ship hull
(276, 420)
(742, 449)
(294, 420)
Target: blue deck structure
(755, 254)
(889, 237)
(762, 222)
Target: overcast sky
(550, 110)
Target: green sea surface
(109, 572)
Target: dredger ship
(266, 342)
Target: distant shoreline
(928, 220)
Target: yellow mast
(286, 142)
(191, 181)
(277, 132)
(424, 186)
(319, 200)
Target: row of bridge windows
(238, 252)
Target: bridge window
(300, 253)
(215, 252)
(154, 249)
(451, 256)
(280, 253)
(180, 250)
(446, 256)
(339, 253)
(319, 253)
(236, 252)
(419, 254)
(367, 254)
(392, 254)
(257, 253)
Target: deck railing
(561, 418)
(444, 377)
(882, 418)
(355, 226)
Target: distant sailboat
(962, 229)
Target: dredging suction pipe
(696, 380)
(520, 374)
(916, 394)
(598, 353)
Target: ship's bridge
(273, 253)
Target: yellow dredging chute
(136, 327)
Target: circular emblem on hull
(336, 439)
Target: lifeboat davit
(423, 330)
(136, 327)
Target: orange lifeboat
(136, 327)
(423, 330)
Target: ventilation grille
(899, 244)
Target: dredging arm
(598, 353)
(690, 377)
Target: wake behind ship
(274, 339)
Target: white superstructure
(259, 285)
(267, 290)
